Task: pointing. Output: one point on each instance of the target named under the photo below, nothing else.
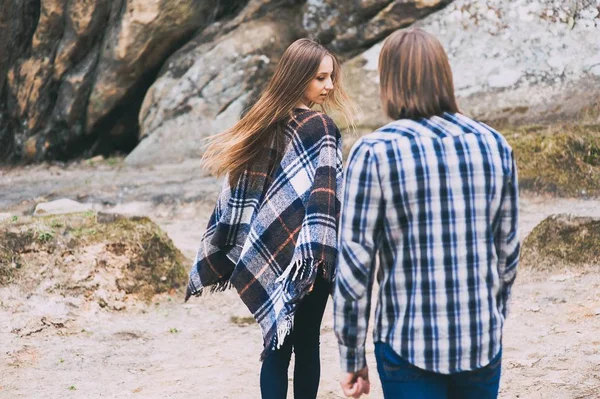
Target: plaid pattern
(271, 234)
(437, 199)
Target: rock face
(513, 61)
(90, 77)
(206, 86)
(75, 72)
(348, 25)
(17, 24)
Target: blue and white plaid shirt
(437, 199)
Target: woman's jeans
(400, 379)
(304, 339)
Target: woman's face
(322, 83)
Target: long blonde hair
(232, 151)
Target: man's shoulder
(398, 134)
(484, 129)
(393, 131)
(499, 137)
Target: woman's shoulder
(311, 121)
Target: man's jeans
(304, 340)
(401, 379)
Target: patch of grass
(83, 232)
(561, 240)
(55, 224)
(114, 161)
(45, 235)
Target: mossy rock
(562, 159)
(148, 261)
(562, 241)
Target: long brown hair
(232, 151)
(415, 76)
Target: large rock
(562, 241)
(60, 206)
(73, 74)
(205, 87)
(518, 62)
(76, 71)
(79, 257)
(134, 48)
(17, 20)
(349, 25)
(562, 160)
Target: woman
(272, 234)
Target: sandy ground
(60, 347)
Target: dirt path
(107, 183)
(60, 347)
(174, 350)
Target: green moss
(158, 265)
(562, 240)
(155, 264)
(562, 160)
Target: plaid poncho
(271, 233)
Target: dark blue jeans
(400, 379)
(304, 340)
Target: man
(434, 194)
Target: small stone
(561, 277)
(61, 206)
(104, 218)
(97, 158)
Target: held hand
(355, 384)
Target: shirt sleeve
(360, 227)
(507, 236)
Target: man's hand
(355, 384)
